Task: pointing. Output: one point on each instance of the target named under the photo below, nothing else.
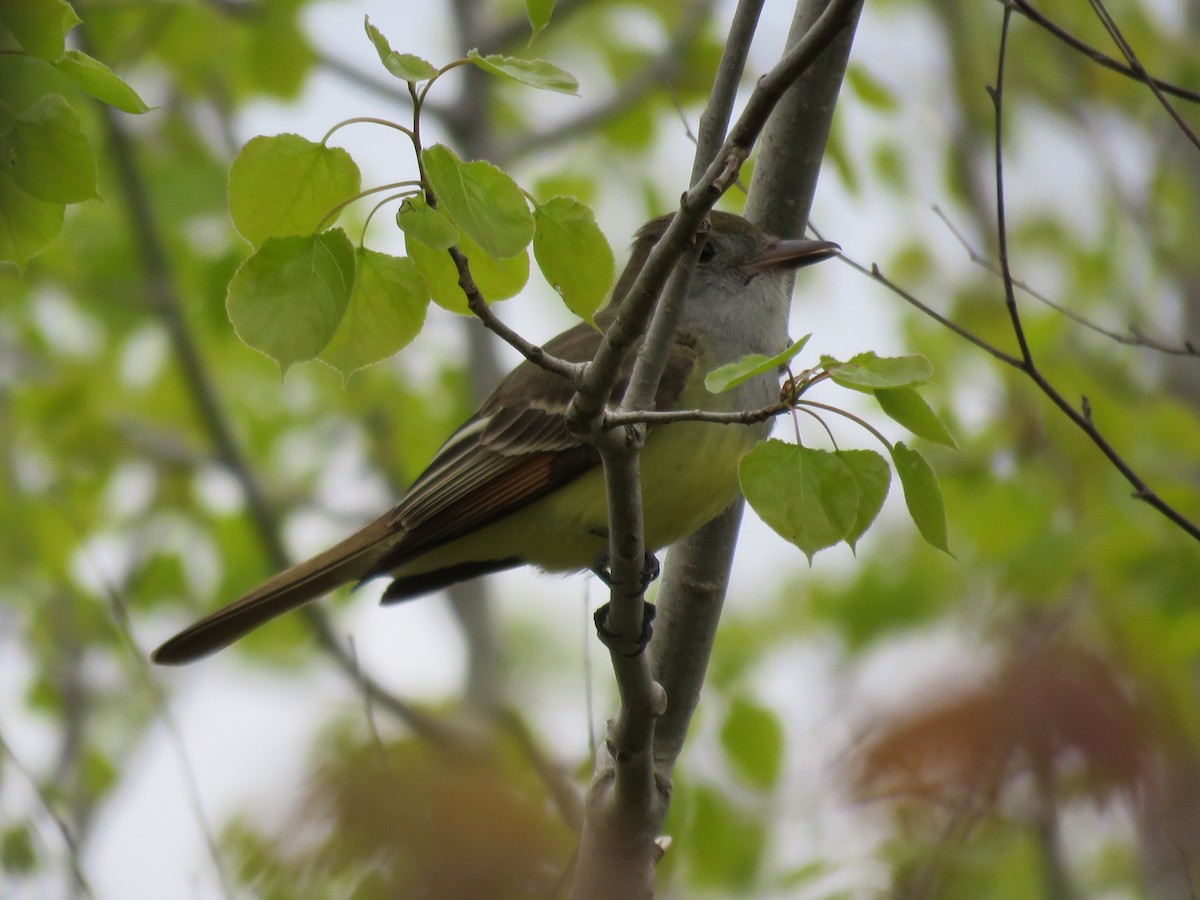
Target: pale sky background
(247, 732)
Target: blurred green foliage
(117, 499)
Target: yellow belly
(689, 475)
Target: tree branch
(1027, 10)
(616, 850)
(1081, 417)
(621, 417)
(532, 352)
(74, 857)
(781, 193)
(1135, 337)
(1135, 66)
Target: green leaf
(869, 89)
(726, 843)
(725, 378)
(39, 25)
(27, 224)
(100, 81)
(497, 279)
(538, 12)
(98, 773)
(909, 408)
(866, 371)
(808, 497)
(17, 854)
(428, 225)
(871, 472)
(573, 254)
(632, 129)
(285, 185)
(47, 151)
(922, 495)
(534, 72)
(753, 740)
(288, 298)
(386, 311)
(483, 201)
(404, 66)
(804, 874)
(575, 184)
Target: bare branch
(1027, 10)
(601, 374)
(1135, 338)
(1135, 65)
(1081, 418)
(48, 807)
(876, 274)
(616, 850)
(652, 358)
(562, 787)
(621, 417)
(532, 352)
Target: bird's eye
(707, 252)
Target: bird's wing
(516, 449)
(506, 456)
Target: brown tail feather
(289, 590)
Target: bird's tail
(290, 589)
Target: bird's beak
(783, 255)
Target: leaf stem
(367, 119)
(339, 206)
(851, 416)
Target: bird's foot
(619, 643)
(650, 572)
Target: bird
(513, 486)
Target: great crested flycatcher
(514, 487)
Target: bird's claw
(619, 643)
(650, 572)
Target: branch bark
(617, 850)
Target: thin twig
(1082, 419)
(373, 726)
(119, 614)
(563, 789)
(876, 274)
(1135, 338)
(1027, 10)
(532, 352)
(1114, 31)
(1010, 297)
(601, 374)
(619, 417)
(64, 830)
